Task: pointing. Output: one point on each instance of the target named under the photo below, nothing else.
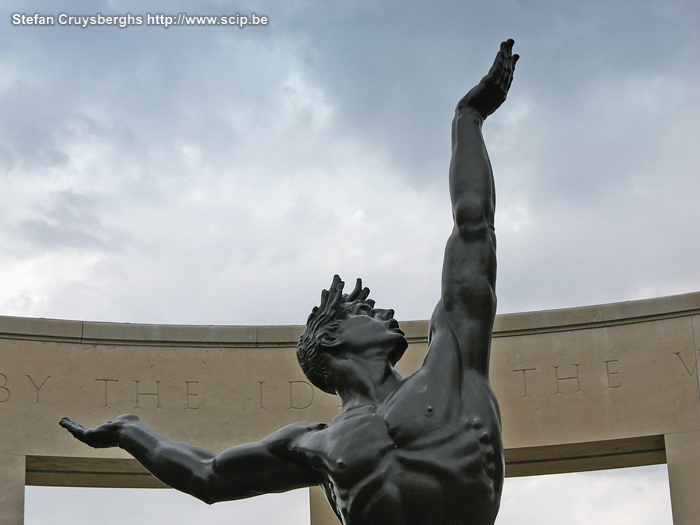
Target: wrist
(471, 113)
(121, 427)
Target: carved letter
(291, 395)
(139, 393)
(524, 371)
(611, 373)
(576, 377)
(37, 388)
(191, 395)
(695, 365)
(4, 391)
(107, 381)
(261, 407)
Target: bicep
(469, 271)
(458, 344)
(262, 467)
(463, 319)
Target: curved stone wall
(582, 388)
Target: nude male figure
(404, 451)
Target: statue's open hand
(104, 436)
(488, 95)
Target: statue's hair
(323, 320)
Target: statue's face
(366, 328)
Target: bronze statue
(416, 450)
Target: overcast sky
(222, 175)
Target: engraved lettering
(5, 393)
(262, 406)
(570, 378)
(695, 365)
(294, 402)
(155, 394)
(107, 381)
(524, 371)
(191, 394)
(37, 388)
(610, 371)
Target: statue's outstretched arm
(465, 314)
(240, 472)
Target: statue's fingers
(500, 70)
(507, 50)
(507, 47)
(512, 70)
(504, 71)
(68, 423)
(74, 428)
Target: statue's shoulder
(289, 436)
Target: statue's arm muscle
(464, 316)
(240, 472)
(270, 465)
(463, 319)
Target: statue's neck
(363, 382)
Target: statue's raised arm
(464, 316)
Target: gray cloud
(69, 223)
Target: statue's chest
(351, 447)
(424, 413)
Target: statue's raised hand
(104, 436)
(488, 95)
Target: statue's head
(323, 329)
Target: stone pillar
(12, 471)
(683, 458)
(321, 512)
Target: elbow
(205, 498)
(473, 220)
(469, 231)
(473, 225)
(201, 483)
(208, 499)
(204, 491)
(208, 487)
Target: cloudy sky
(222, 175)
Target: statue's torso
(422, 456)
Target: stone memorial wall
(580, 389)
